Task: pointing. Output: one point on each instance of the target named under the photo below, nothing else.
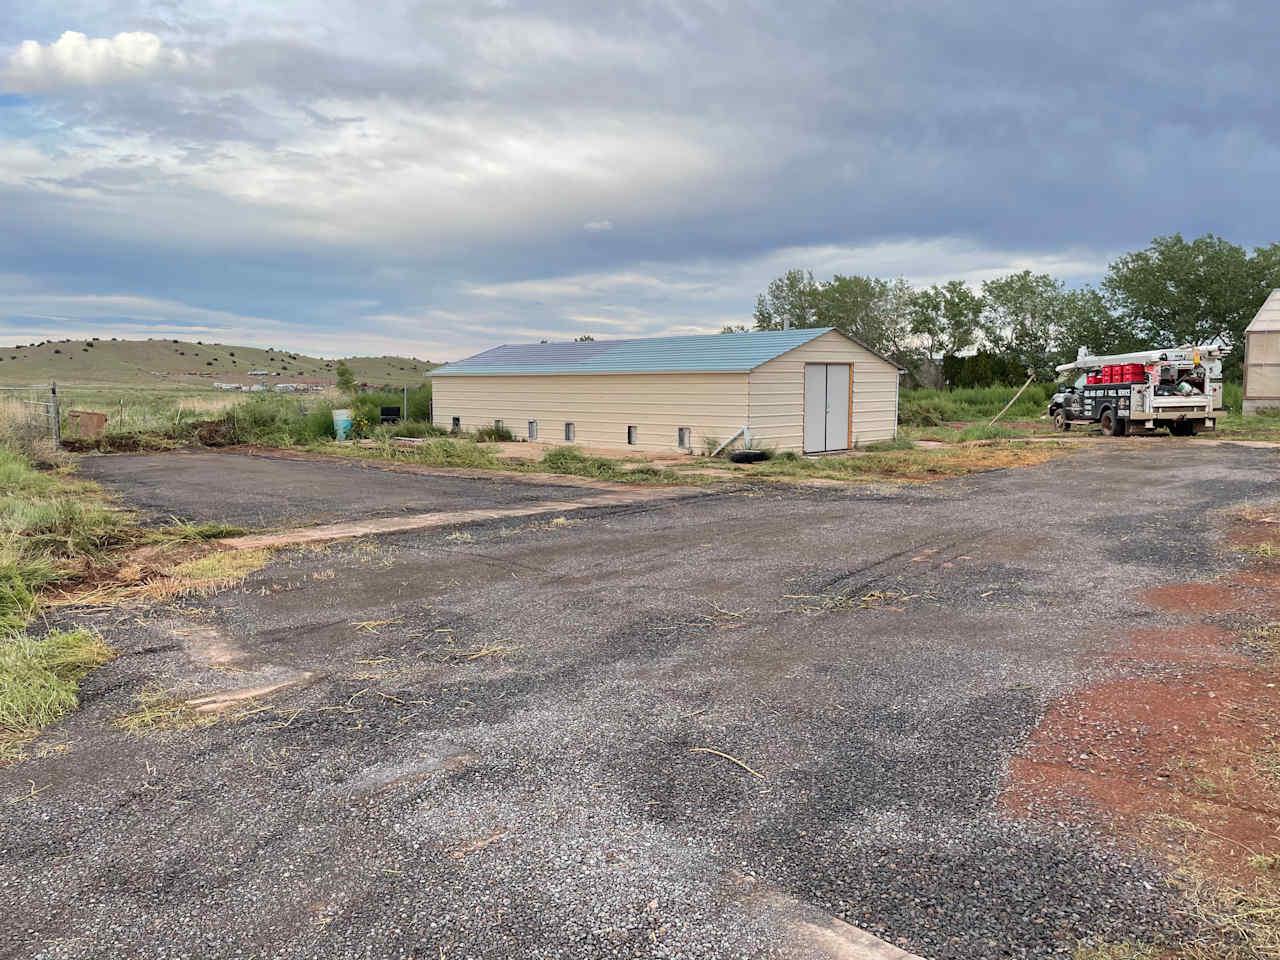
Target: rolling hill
(170, 364)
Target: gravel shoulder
(494, 746)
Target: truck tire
(1060, 420)
(1184, 428)
(1109, 424)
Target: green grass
(181, 531)
(884, 446)
(433, 453)
(40, 680)
(572, 461)
(47, 524)
(934, 408)
(45, 521)
(63, 526)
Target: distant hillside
(163, 363)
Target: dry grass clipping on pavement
(915, 465)
(157, 710)
(201, 576)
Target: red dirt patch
(1257, 527)
(1134, 750)
(1217, 597)
(1184, 759)
(1253, 591)
(1177, 646)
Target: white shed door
(837, 406)
(826, 407)
(815, 407)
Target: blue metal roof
(707, 353)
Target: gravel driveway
(496, 747)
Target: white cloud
(597, 226)
(75, 60)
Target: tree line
(1172, 292)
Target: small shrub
(572, 460)
(494, 434)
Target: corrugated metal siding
(1262, 371)
(717, 352)
(713, 405)
(1268, 316)
(777, 393)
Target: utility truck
(1179, 388)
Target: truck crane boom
(1187, 355)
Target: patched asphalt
(489, 752)
(265, 491)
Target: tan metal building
(1262, 358)
(812, 390)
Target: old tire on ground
(1060, 420)
(747, 456)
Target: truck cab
(1063, 397)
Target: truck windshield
(1081, 380)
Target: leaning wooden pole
(1011, 402)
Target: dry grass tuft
(823, 602)
(132, 584)
(1266, 762)
(487, 650)
(223, 569)
(915, 465)
(1116, 951)
(159, 710)
(1231, 923)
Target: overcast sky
(436, 177)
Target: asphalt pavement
(497, 739)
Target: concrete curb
(351, 529)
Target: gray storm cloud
(287, 162)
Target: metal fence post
(56, 413)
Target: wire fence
(30, 416)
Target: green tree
(1089, 322)
(346, 379)
(1178, 292)
(868, 309)
(585, 338)
(946, 318)
(1024, 318)
(793, 298)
